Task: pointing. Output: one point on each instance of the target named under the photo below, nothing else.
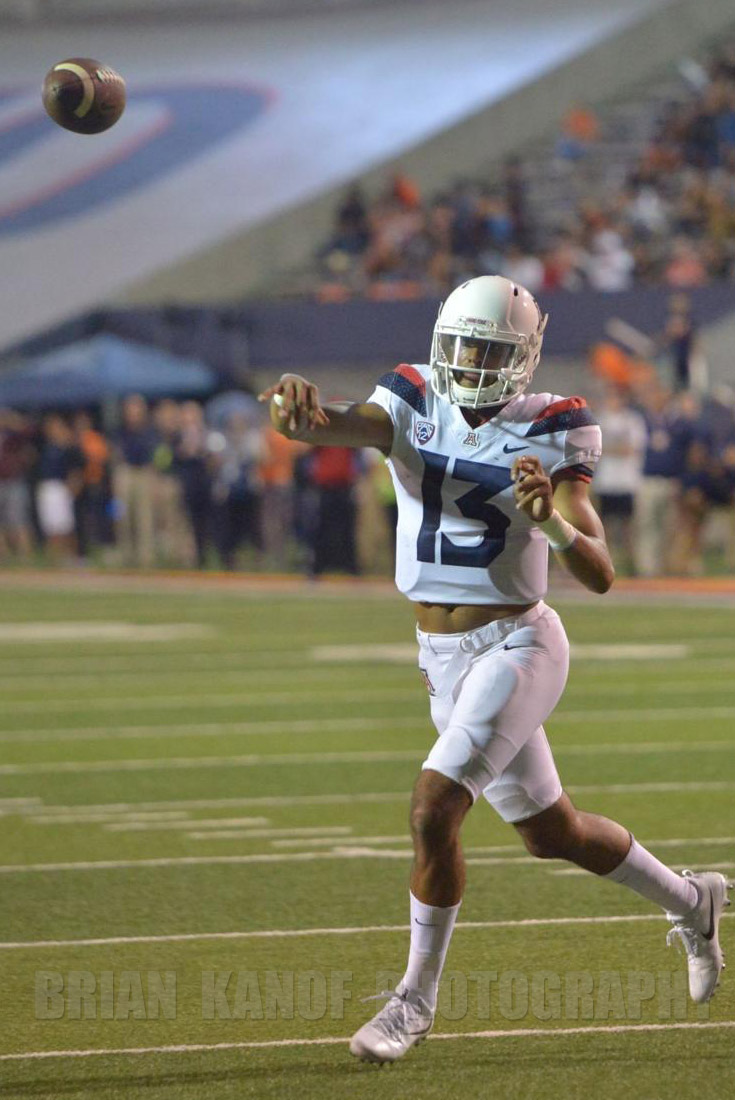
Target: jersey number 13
(488, 481)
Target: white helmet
(489, 331)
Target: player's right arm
(296, 413)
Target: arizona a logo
(424, 431)
(472, 439)
(427, 681)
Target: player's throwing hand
(533, 490)
(297, 402)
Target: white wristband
(558, 531)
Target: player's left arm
(562, 508)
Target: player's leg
(438, 807)
(495, 700)
(694, 903)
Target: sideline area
(625, 588)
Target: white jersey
(460, 538)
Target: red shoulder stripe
(567, 404)
(411, 375)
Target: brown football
(83, 95)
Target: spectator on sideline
(59, 475)
(333, 472)
(681, 342)
(276, 473)
(705, 487)
(236, 488)
(135, 446)
(193, 461)
(16, 457)
(171, 530)
(94, 500)
(663, 466)
(619, 473)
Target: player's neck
(476, 417)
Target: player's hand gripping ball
(83, 95)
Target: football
(83, 95)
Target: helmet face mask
(487, 343)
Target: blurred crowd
(665, 485)
(170, 488)
(671, 222)
(174, 487)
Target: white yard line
(99, 631)
(350, 930)
(651, 687)
(641, 748)
(193, 861)
(220, 700)
(334, 1040)
(214, 729)
(401, 838)
(214, 669)
(638, 715)
(247, 833)
(299, 726)
(495, 849)
(649, 788)
(289, 801)
(103, 818)
(133, 668)
(215, 803)
(315, 683)
(369, 756)
(255, 760)
(342, 851)
(196, 699)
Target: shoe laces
(685, 930)
(396, 1018)
(685, 935)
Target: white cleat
(400, 1024)
(698, 931)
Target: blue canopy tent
(100, 370)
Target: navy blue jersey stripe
(562, 421)
(413, 393)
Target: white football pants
(491, 690)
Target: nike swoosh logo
(509, 450)
(424, 924)
(708, 935)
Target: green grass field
(211, 782)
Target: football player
(487, 478)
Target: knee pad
(456, 756)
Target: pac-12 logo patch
(424, 431)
